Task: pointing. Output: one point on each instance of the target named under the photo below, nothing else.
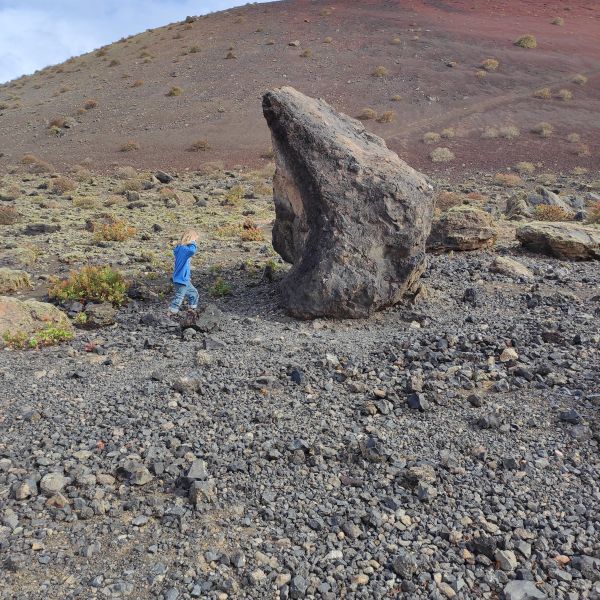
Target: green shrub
(47, 337)
(91, 283)
(220, 288)
(526, 41)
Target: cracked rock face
(351, 216)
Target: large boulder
(563, 240)
(462, 228)
(29, 317)
(350, 215)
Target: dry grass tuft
(61, 185)
(543, 93)
(579, 79)
(380, 71)
(138, 83)
(396, 40)
(581, 150)
(564, 95)
(230, 55)
(573, 138)
(90, 103)
(9, 215)
(543, 129)
(548, 212)
(481, 74)
(129, 146)
(507, 180)
(490, 133)
(328, 40)
(558, 21)
(396, 98)
(509, 132)
(115, 231)
(175, 91)
(448, 133)
(35, 164)
(431, 137)
(526, 41)
(594, 214)
(490, 64)
(441, 155)
(445, 200)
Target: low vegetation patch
(509, 132)
(481, 74)
(129, 146)
(175, 91)
(380, 71)
(559, 21)
(115, 231)
(544, 93)
(62, 185)
(446, 200)
(387, 117)
(91, 284)
(573, 138)
(448, 133)
(550, 212)
(367, 114)
(307, 53)
(525, 168)
(526, 41)
(90, 103)
(543, 129)
(36, 165)
(50, 336)
(564, 95)
(220, 288)
(490, 64)
(441, 155)
(579, 79)
(490, 133)
(251, 232)
(9, 215)
(594, 214)
(431, 137)
(199, 146)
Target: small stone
(506, 560)
(523, 590)
(198, 470)
(571, 416)
(508, 354)
(298, 587)
(446, 589)
(405, 565)
(418, 402)
(475, 400)
(52, 483)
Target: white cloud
(37, 33)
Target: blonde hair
(188, 236)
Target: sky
(38, 33)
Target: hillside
(431, 80)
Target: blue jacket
(183, 257)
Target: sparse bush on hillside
(441, 155)
(328, 40)
(396, 98)
(431, 137)
(129, 146)
(125, 173)
(386, 117)
(490, 64)
(36, 165)
(558, 21)
(578, 171)
(307, 53)
(58, 122)
(230, 55)
(481, 74)
(525, 168)
(542, 129)
(507, 180)
(543, 93)
(138, 83)
(581, 150)
(85, 202)
(550, 212)
(175, 91)
(445, 200)
(579, 79)
(396, 40)
(367, 114)
(509, 132)
(526, 41)
(199, 146)
(210, 168)
(380, 71)
(61, 185)
(101, 52)
(194, 49)
(130, 185)
(114, 231)
(448, 133)
(91, 284)
(564, 95)
(573, 138)
(594, 214)
(114, 63)
(90, 103)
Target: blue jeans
(182, 291)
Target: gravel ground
(444, 448)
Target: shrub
(396, 98)
(90, 103)
(558, 21)
(445, 200)
(9, 215)
(481, 74)
(431, 137)
(199, 146)
(490, 64)
(548, 212)
(579, 79)
(250, 232)
(396, 40)
(509, 132)
(367, 114)
(581, 150)
(441, 155)
(61, 185)
(102, 284)
(230, 55)
(307, 53)
(578, 171)
(594, 214)
(543, 93)
(526, 41)
(380, 71)
(138, 83)
(114, 63)
(115, 231)
(126, 173)
(386, 117)
(490, 133)
(194, 49)
(448, 133)
(543, 129)
(525, 168)
(564, 95)
(328, 40)
(175, 91)
(573, 138)
(220, 288)
(235, 194)
(85, 202)
(129, 146)
(49, 336)
(59, 122)
(507, 180)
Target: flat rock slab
(462, 228)
(563, 240)
(350, 215)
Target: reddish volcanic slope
(432, 51)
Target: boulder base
(462, 228)
(563, 240)
(350, 215)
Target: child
(183, 252)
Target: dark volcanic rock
(350, 215)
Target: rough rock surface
(563, 240)
(350, 215)
(462, 228)
(510, 267)
(28, 316)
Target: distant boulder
(462, 228)
(350, 215)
